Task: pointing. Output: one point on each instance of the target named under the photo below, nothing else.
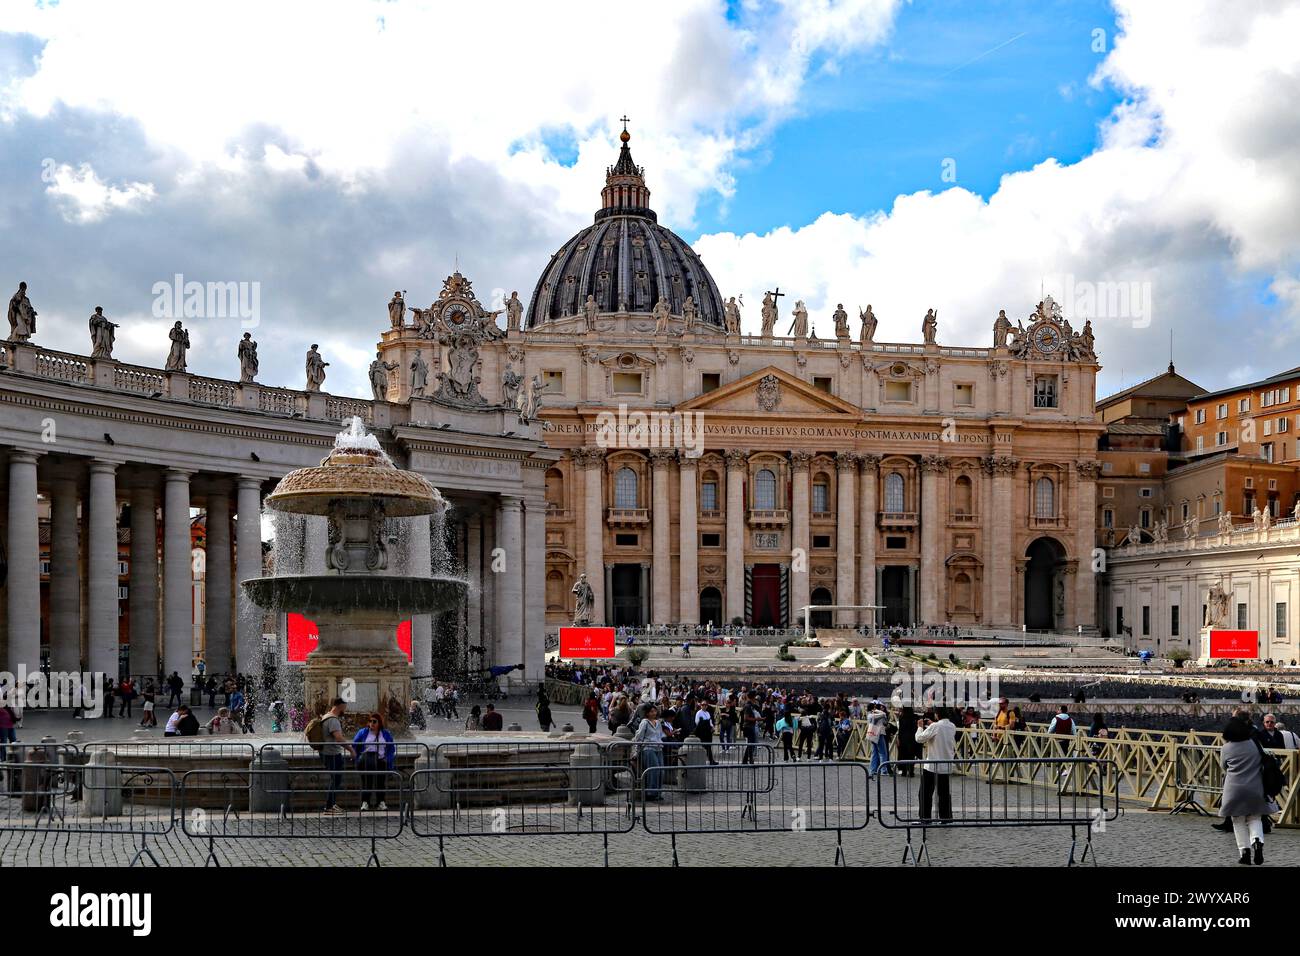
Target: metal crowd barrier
(586, 799)
(52, 789)
(809, 796)
(1198, 771)
(290, 804)
(982, 792)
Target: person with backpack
(878, 738)
(325, 734)
(1062, 723)
(174, 685)
(1248, 774)
(591, 711)
(750, 716)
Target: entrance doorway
(895, 596)
(820, 618)
(711, 607)
(765, 597)
(1043, 604)
(625, 589)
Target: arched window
(625, 488)
(1045, 498)
(821, 495)
(709, 491)
(555, 488)
(765, 490)
(963, 496)
(894, 493)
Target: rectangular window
(554, 382)
(626, 540)
(895, 543)
(821, 498)
(1186, 510)
(898, 391)
(1242, 620)
(1200, 444)
(822, 383)
(1119, 621)
(1144, 492)
(1279, 619)
(1146, 620)
(821, 541)
(711, 540)
(1221, 438)
(1174, 613)
(1222, 411)
(1146, 518)
(1045, 391)
(1200, 416)
(708, 496)
(1268, 427)
(1283, 424)
(963, 394)
(1108, 492)
(1108, 518)
(1144, 468)
(626, 383)
(1267, 449)
(1243, 404)
(710, 381)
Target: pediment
(771, 391)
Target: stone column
(178, 578)
(1085, 596)
(420, 561)
(101, 570)
(799, 514)
(999, 527)
(661, 517)
(474, 570)
(688, 543)
(534, 550)
(65, 577)
(142, 591)
(933, 468)
(592, 461)
(217, 632)
(510, 590)
(24, 552)
(248, 565)
(867, 571)
(846, 467)
(735, 597)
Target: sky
(1137, 161)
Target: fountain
(359, 601)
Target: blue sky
(995, 86)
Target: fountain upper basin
(340, 593)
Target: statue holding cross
(769, 311)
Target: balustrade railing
(62, 366)
(207, 391)
(131, 378)
(341, 409)
(277, 401)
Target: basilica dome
(625, 259)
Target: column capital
(686, 461)
(21, 456)
(799, 460)
(248, 481)
(934, 464)
(1000, 465)
(662, 457)
(1089, 469)
(510, 502)
(846, 461)
(176, 474)
(588, 457)
(736, 458)
(101, 466)
(869, 463)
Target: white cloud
(1192, 190)
(84, 198)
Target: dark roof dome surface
(625, 259)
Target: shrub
(636, 656)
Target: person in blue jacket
(375, 753)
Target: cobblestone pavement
(1137, 838)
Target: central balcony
(627, 517)
(768, 518)
(898, 519)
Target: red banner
(1234, 644)
(587, 642)
(302, 636)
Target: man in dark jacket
(188, 725)
(1270, 737)
(174, 684)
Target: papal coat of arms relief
(769, 393)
